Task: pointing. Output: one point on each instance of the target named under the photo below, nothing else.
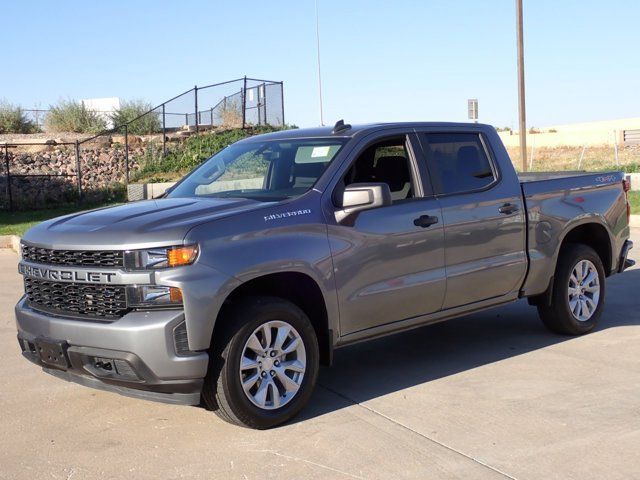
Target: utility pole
(319, 75)
(521, 100)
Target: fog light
(153, 296)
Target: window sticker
(320, 152)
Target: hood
(144, 224)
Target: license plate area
(52, 353)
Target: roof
(354, 130)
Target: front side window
(387, 162)
(266, 171)
(457, 162)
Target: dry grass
(230, 114)
(634, 199)
(567, 158)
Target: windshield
(267, 171)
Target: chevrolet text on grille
(82, 276)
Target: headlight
(154, 258)
(153, 296)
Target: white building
(103, 107)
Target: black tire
(222, 390)
(558, 316)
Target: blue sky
(381, 60)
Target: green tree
(73, 116)
(14, 120)
(128, 113)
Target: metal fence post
(195, 89)
(264, 102)
(258, 108)
(244, 102)
(126, 152)
(282, 98)
(6, 163)
(164, 133)
(78, 172)
(581, 156)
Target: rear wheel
(578, 294)
(264, 365)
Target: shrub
(130, 110)
(14, 120)
(73, 116)
(230, 114)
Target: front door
(389, 262)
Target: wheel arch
(594, 234)
(589, 231)
(297, 287)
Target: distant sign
(472, 106)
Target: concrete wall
(577, 134)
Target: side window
(457, 162)
(387, 162)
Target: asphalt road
(492, 395)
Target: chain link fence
(98, 168)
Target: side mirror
(362, 196)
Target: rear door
(388, 261)
(483, 216)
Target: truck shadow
(372, 369)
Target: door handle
(508, 208)
(425, 221)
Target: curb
(10, 241)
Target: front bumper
(139, 350)
(623, 261)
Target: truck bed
(541, 176)
(557, 202)
(562, 182)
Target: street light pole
(319, 75)
(521, 101)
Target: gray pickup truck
(234, 287)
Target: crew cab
(234, 287)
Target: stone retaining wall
(50, 177)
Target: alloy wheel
(273, 364)
(584, 290)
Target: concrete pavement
(492, 395)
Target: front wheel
(578, 293)
(264, 365)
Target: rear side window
(457, 162)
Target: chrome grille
(98, 301)
(77, 258)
